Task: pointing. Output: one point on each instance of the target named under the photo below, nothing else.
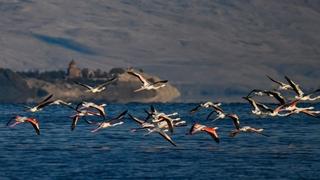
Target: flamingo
(147, 85)
(21, 119)
(96, 89)
(212, 131)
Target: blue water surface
(291, 152)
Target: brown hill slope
(207, 48)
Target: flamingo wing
(141, 78)
(83, 85)
(212, 132)
(166, 137)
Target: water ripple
(291, 152)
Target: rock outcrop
(121, 90)
(32, 86)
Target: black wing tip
(130, 116)
(152, 108)
(273, 80)
(124, 112)
(113, 78)
(192, 111)
(287, 78)
(209, 115)
(49, 96)
(246, 97)
(266, 135)
(147, 112)
(134, 118)
(132, 73)
(73, 126)
(8, 123)
(173, 143)
(121, 116)
(46, 99)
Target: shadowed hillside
(207, 48)
(14, 88)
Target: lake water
(291, 152)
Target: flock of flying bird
(162, 123)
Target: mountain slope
(223, 47)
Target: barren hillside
(207, 48)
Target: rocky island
(30, 86)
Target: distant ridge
(208, 49)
